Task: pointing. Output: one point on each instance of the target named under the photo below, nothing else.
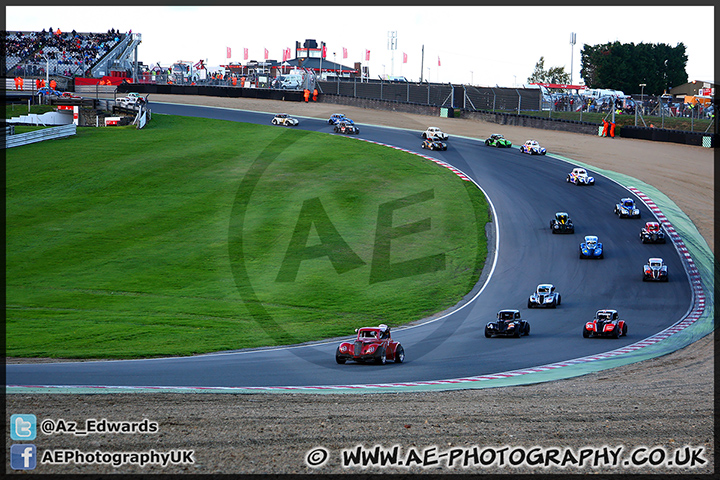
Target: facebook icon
(22, 457)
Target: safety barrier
(39, 135)
(708, 140)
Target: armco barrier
(213, 91)
(502, 118)
(674, 136)
(40, 135)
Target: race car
(544, 296)
(652, 232)
(373, 344)
(498, 140)
(591, 248)
(284, 119)
(335, 118)
(627, 209)
(434, 133)
(432, 144)
(655, 270)
(508, 324)
(605, 324)
(579, 176)
(562, 223)
(533, 148)
(48, 91)
(346, 127)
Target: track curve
(526, 191)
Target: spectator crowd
(66, 53)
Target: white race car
(284, 119)
(434, 133)
(544, 296)
(533, 148)
(579, 176)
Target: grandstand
(66, 55)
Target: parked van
(291, 82)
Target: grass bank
(195, 235)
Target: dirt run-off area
(661, 405)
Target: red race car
(605, 324)
(373, 344)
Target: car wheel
(559, 299)
(568, 179)
(488, 334)
(624, 330)
(339, 359)
(602, 255)
(616, 332)
(399, 354)
(517, 332)
(530, 304)
(382, 357)
(553, 304)
(423, 146)
(487, 143)
(586, 332)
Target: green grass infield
(195, 235)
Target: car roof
(548, 285)
(655, 259)
(509, 310)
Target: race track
(525, 191)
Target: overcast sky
(485, 45)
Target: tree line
(624, 66)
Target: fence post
(518, 94)
(407, 95)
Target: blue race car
(335, 118)
(591, 248)
(627, 209)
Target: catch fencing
(465, 97)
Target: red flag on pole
(266, 54)
(344, 52)
(245, 52)
(438, 61)
(324, 50)
(228, 52)
(404, 57)
(367, 55)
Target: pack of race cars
(375, 345)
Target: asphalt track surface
(525, 191)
